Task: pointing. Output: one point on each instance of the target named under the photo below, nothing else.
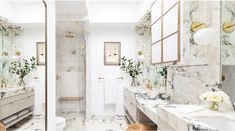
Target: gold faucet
(148, 85)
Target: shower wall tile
(70, 58)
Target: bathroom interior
(117, 65)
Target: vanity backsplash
(190, 82)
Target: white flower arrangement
(214, 96)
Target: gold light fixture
(197, 26)
(228, 27)
(70, 34)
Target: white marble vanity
(189, 117)
(173, 116)
(141, 104)
(16, 103)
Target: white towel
(9, 119)
(23, 113)
(110, 94)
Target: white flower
(214, 96)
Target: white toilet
(60, 123)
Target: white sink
(219, 122)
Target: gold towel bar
(102, 78)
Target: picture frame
(112, 53)
(40, 50)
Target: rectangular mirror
(156, 31)
(170, 22)
(165, 31)
(228, 48)
(156, 53)
(167, 4)
(156, 11)
(170, 48)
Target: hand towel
(110, 94)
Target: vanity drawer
(131, 108)
(12, 105)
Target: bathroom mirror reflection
(22, 81)
(228, 47)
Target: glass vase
(134, 82)
(21, 82)
(214, 105)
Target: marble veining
(227, 47)
(12, 91)
(75, 121)
(190, 82)
(36, 123)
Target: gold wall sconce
(228, 27)
(197, 26)
(203, 34)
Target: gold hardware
(148, 85)
(223, 78)
(36, 78)
(140, 53)
(58, 77)
(101, 78)
(228, 27)
(71, 98)
(121, 78)
(197, 26)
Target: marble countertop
(12, 91)
(146, 99)
(175, 116)
(187, 120)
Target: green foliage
(132, 68)
(23, 67)
(163, 72)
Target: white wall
(35, 33)
(113, 12)
(25, 11)
(4, 9)
(100, 33)
(51, 74)
(144, 7)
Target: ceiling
(71, 7)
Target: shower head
(70, 34)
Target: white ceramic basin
(219, 122)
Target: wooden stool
(2, 127)
(141, 127)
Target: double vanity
(16, 103)
(145, 106)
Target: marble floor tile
(75, 121)
(36, 123)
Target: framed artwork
(41, 53)
(112, 53)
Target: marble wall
(227, 47)
(199, 68)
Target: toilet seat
(60, 123)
